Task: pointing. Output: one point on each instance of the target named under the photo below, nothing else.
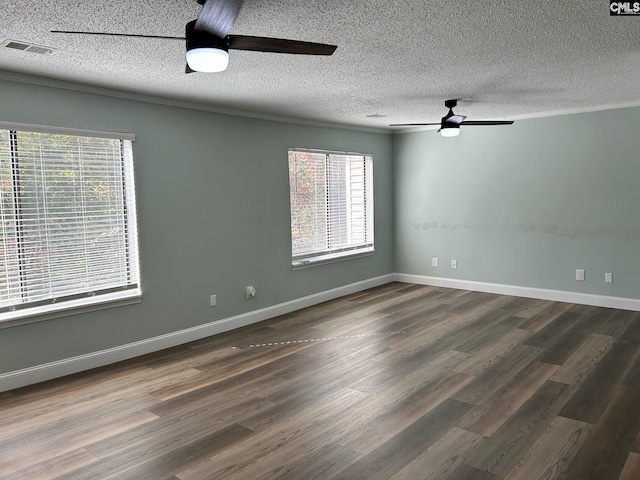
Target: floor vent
(27, 47)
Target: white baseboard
(67, 366)
(529, 292)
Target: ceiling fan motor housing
(199, 39)
(206, 52)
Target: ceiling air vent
(27, 47)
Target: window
(68, 224)
(331, 205)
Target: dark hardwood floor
(398, 382)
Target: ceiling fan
(208, 40)
(450, 123)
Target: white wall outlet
(580, 275)
(434, 262)
(251, 292)
(212, 300)
(454, 264)
(608, 278)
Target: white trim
(49, 371)
(27, 127)
(175, 102)
(530, 116)
(181, 103)
(67, 366)
(306, 262)
(529, 292)
(70, 307)
(334, 152)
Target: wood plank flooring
(398, 382)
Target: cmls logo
(624, 8)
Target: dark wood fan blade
(107, 34)
(412, 124)
(487, 122)
(279, 45)
(217, 16)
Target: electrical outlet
(580, 275)
(251, 292)
(608, 278)
(212, 301)
(434, 262)
(454, 264)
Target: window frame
(86, 302)
(345, 253)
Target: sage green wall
(526, 204)
(213, 217)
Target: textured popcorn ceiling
(401, 59)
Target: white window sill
(330, 258)
(71, 307)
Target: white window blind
(331, 205)
(67, 219)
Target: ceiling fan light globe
(207, 59)
(450, 131)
